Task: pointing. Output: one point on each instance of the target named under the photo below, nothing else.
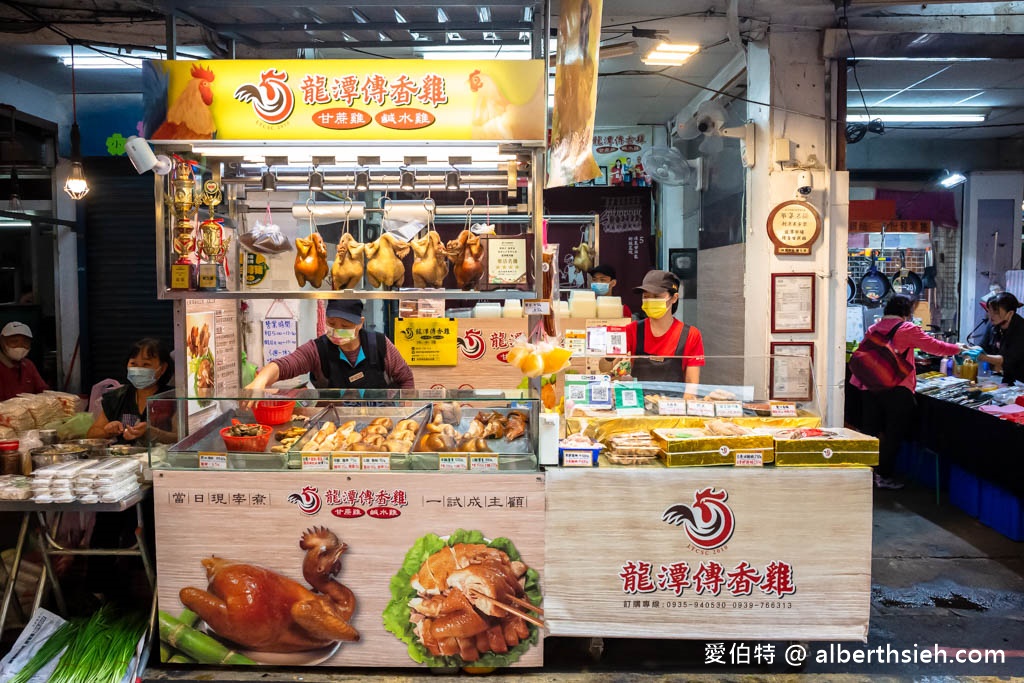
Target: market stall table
(49, 547)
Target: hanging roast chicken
(466, 253)
(431, 264)
(583, 257)
(347, 270)
(310, 260)
(384, 261)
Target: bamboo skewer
(511, 610)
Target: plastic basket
(247, 444)
(273, 412)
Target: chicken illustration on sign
(189, 117)
(709, 523)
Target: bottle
(985, 370)
(969, 371)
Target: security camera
(804, 183)
(143, 158)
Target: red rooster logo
(189, 116)
(272, 99)
(708, 523)
(308, 501)
(472, 345)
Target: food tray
(362, 418)
(521, 446)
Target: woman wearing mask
(125, 413)
(346, 357)
(18, 374)
(661, 335)
(602, 283)
(1007, 354)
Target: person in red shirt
(18, 374)
(661, 335)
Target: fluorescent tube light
(360, 17)
(442, 16)
(916, 118)
(400, 18)
(952, 180)
(107, 62)
(347, 154)
(484, 14)
(677, 47)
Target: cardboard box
(814, 448)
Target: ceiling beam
(378, 45)
(218, 4)
(416, 27)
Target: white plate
(303, 658)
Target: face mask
(600, 288)
(341, 335)
(142, 377)
(16, 353)
(655, 308)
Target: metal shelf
(449, 294)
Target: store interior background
(94, 290)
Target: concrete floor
(939, 579)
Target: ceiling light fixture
(953, 179)
(400, 18)
(316, 181)
(452, 35)
(453, 180)
(268, 181)
(407, 179)
(442, 16)
(384, 38)
(916, 118)
(360, 17)
(362, 180)
(76, 186)
(484, 14)
(107, 62)
(670, 54)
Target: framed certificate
(792, 303)
(791, 376)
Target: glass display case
(329, 430)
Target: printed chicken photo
(468, 602)
(189, 116)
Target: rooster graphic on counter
(189, 117)
(496, 117)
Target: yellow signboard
(427, 341)
(349, 99)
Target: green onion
(57, 641)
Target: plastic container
(969, 370)
(273, 412)
(512, 309)
(609, 307)
(247, 444)
(10, 457)
(964, 490)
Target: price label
(318, 463)
(783, 410)
(575, 341)
(749, 459)
(208, 276)
(700, 408)
(453, 463)
(376, 463)
(180, 277)
(344, 463)
(571, 458)
(537, 307)
(728, 409)
(672, 406)
(213, 461)
(483, 463)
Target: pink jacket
(909, 337)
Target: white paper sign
(537, 308)
(728, 409)
(344, 463)
(280, 337)
(453, 463)
(700, 408)
(213, 461)
(783, 410)
(754, 459)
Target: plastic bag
(248, 371)
(76, 426)
(265, 237)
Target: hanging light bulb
(452, 180)
(14, 202)
(362, 181)
(316, 181)
(268, 181)
(407, 180)
(76, 186)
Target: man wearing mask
(602, 283)
(18, 374)
(661, 335)
(346, 357)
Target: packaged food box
(697, 448)
(817, 447)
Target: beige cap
(13, 328)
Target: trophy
(213, 245)
(185, 206)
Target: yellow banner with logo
(345, 99)
(427, 341)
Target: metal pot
(97, 448)
(55, 454)
(48, 436)
(121, 450)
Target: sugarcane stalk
(195, 644)
(165, 652)
(189, 618)
(180, 659)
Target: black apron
(368, 373)
(659, 368)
